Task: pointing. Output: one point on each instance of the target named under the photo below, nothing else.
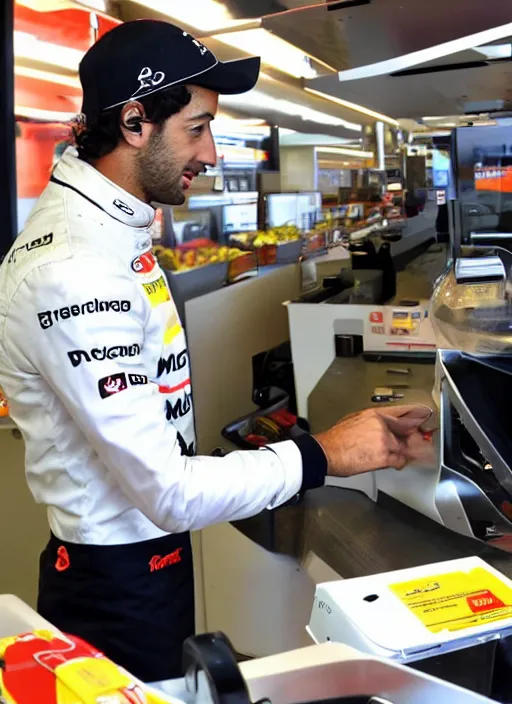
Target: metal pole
(381, 146)
(8, 197)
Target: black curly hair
(102, 137)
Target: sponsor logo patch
(144, 263)
(158, 562)
(187, 450)
(115, 383)
(48, 318)
(157, 292)
(76, 357)
(173, 363)
(121, 205)
(179, 409)
(62, 563)
(137, 379)
(29, 246)
(111, 385)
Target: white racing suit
(94, 364)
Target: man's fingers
(393, 444)
(397, 460)
(406, 419)
(418, 411)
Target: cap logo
(148, 80)
(202, 48)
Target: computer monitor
(190, 225)
(240, 218)
(309, 210)
(300, 209)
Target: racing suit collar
(87, 181)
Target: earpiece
(134, 125)
(133, 116)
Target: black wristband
(314, 462)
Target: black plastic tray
(269, 400)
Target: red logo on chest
(159, 563)
(144, 263)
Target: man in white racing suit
(93, 361)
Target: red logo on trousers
(158, 562)
(62, 563)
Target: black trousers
(133, 602)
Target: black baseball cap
(142, 57)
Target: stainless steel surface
(499, 464)
(480, 503)
(352, 534)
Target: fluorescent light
(258, 100)
(341, 151)
(206, 15)
(273, 50)
(384, 68)
(353, 106)
(46, 115)
(27, 46)
(209, 16)
(240, 122)
(47, 76)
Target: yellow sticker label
(456, 600)
(157, 292)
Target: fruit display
(186, 259)
(52, 668)
(262, 238)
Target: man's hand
(374, 439)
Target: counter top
(344, 528)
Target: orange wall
(34, 156)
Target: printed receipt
(456, 600)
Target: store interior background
(354, 92)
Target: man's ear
(134, 125)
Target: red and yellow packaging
(51, 668)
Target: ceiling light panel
(205, 15)
(353, 106)
(255, 99)
(273, 50)
(354, 153)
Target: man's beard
(159, 176)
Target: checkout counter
(351, 529)
(38, 659)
